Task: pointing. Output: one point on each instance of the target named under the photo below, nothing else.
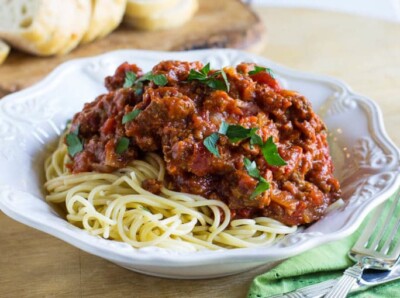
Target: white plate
(367, 162)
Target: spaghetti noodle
(115, 206)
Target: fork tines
(381, 239)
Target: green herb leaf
(211, 143)
(146, 77)
(130, 116)
(262, 186)
(236, 133)
(228, 85)
(138, 88)
(130, 78)
(251, 168)
(195, 75)
(211, 81)
(199, 75)
(215, 84)
(74, 144)
(122, 145)
(258, 69)
(160, 80)
(255, 139)
(223, 128)
(206, 69)
(271, 154)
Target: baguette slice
(106, 16)
(173, 17)
(44, 27)
(144, 8)
(75, 23)
(27, 24)
(4, 51)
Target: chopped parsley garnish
(271, 154)
(236, 133)
(139, 89)
(130, 78)
(255, 139)
(158, 79)
(258, 69)
(251, 168)
(227, 84)
(130, 116)
(132, 81)
(211, 143)
(122, 145)
(262, 185)
(223, 128)
(199, 75)
(210, 80)
(74, 144)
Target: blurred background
(383, 9)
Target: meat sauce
(176, 118)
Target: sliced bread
(172, 17)
(4, 50)
(44, 27)
(144, 8)
(75, 23)
(106, 16)
(25, 24)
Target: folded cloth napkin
(314, 266)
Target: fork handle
(346, 282)
(314, 291)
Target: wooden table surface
(363, 52)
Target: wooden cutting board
(221, 23)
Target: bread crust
(4, 51)
(79, 20)
(144, 8)
(173, 17)
(38, 33)
(56, 28)
(106, 16)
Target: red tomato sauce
(176, 118)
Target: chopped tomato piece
(264, 77)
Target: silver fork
(374, 249)
(359, 252)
